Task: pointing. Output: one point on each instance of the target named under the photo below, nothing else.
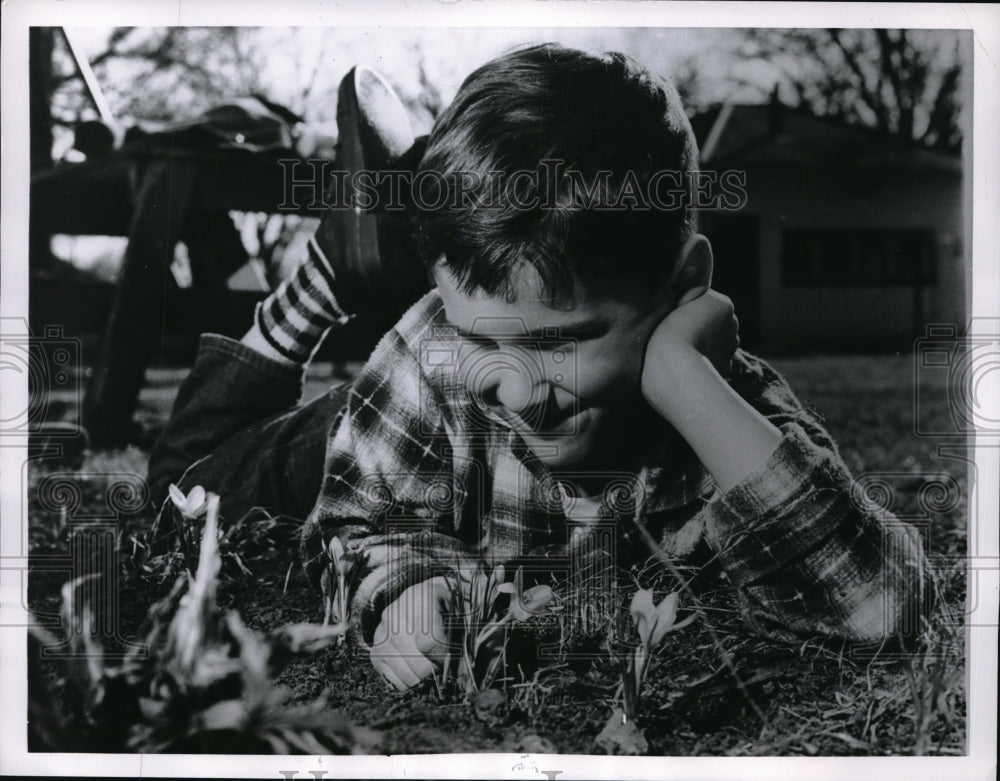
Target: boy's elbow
(894, 611)
(894, 602)
(885, 618)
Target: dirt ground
(712, 688)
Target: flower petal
(195, 499)
(530, 603)
(666, 615)
(537, 597)
(517, 611)
(177, 497)
(335, 550)
(642, 611)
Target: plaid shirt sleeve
(805, 554)
(385, 488)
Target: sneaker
(377, 271)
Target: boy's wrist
(672, 373)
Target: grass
(711, 688)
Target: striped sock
(294, 318)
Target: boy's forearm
(729, 436)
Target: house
(847, 240)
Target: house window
(857, 256)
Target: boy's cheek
(611, 380)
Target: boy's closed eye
(565, 339)
(549, 345)
(478, 340)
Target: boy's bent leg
(237, 429)
(275, 466)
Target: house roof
(773, 135)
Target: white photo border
(981, 192)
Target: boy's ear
(693, 271)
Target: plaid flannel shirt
(419, 480)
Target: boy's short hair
(567, 116)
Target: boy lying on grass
(571, 345)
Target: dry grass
(711, 688)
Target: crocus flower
(526, 605)
(335, 550)
(333, 583)
(192, 506)
(652, 622)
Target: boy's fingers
(420, 667)
(395, 670)
(402, 667)
(434, 643)
(389, 674)
(410, 663)
(405, 679)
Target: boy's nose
(509, 382)
(518, 393)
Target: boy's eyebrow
(581, 329)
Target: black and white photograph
(565, 390)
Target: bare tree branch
(871, 98)
(886, 79)
(310, 84)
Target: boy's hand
(705, 325)
(410, 641)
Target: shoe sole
(375, 263)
